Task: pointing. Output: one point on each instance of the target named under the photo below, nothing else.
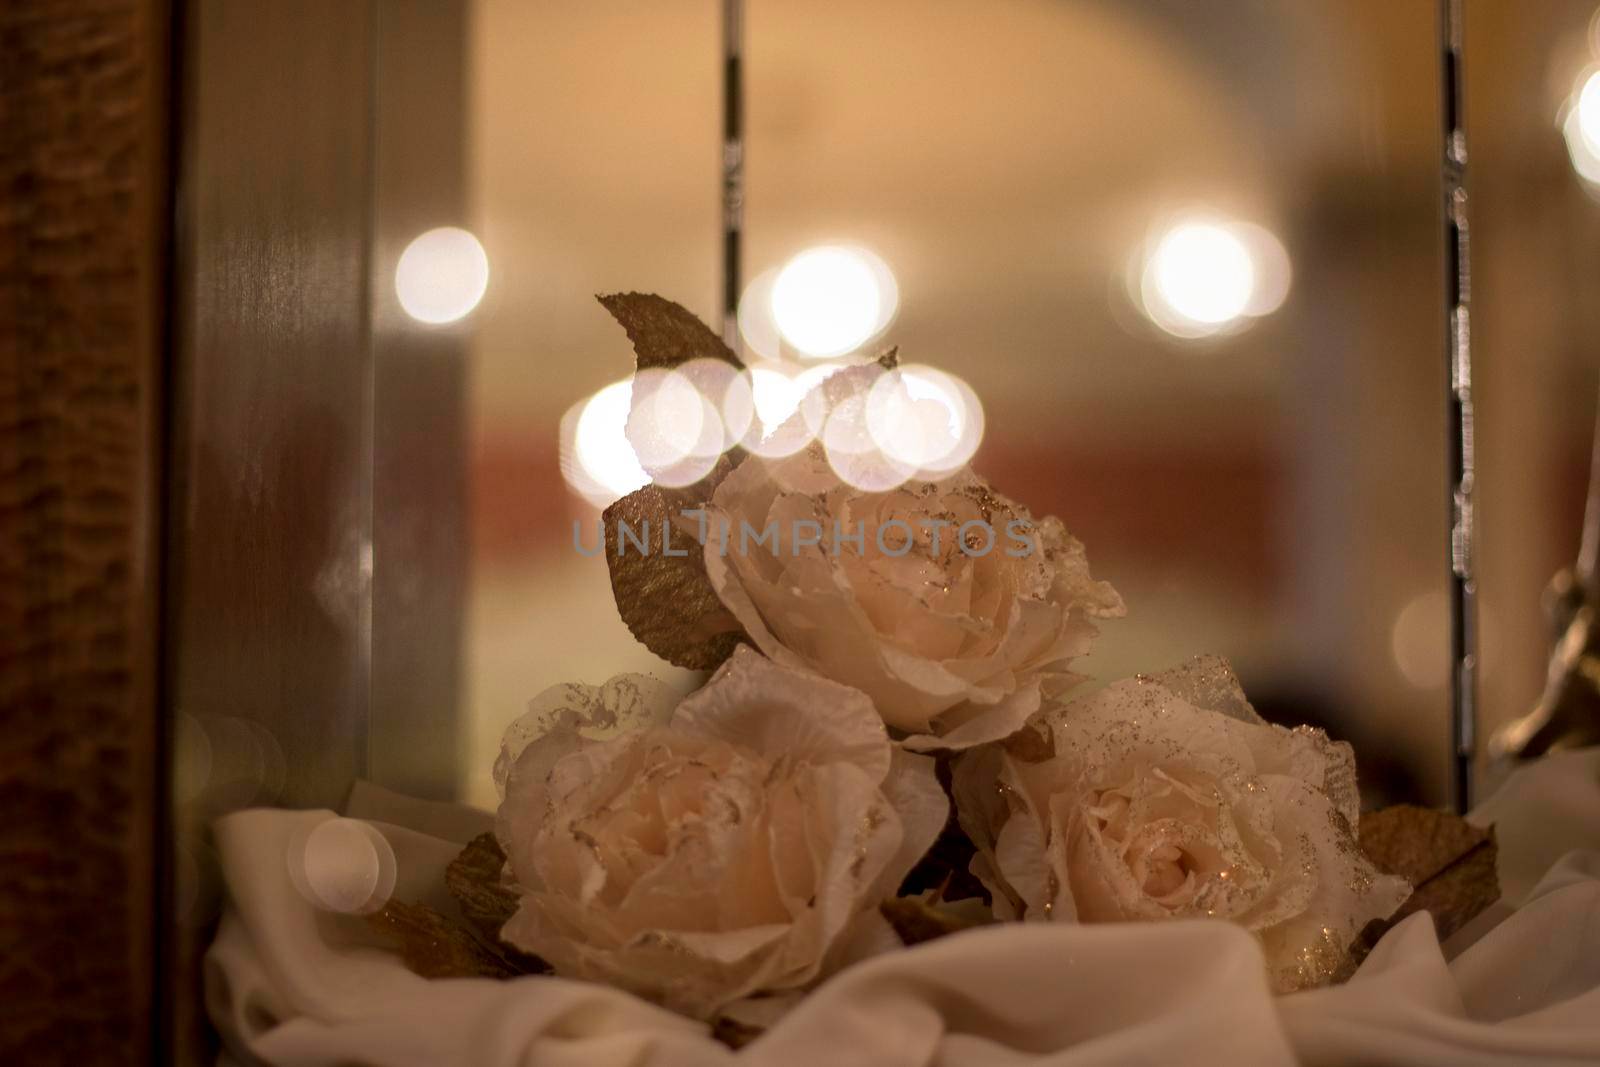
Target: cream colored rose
(739, 843)
(1167, 797)
(946, 603)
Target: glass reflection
(1132, 182)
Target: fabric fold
(291, 983)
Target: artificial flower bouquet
(892, 744)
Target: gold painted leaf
(474, 879)
(1449, 861)
(667, 601)
(435, 946)
(664, 334)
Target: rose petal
(936, 637)
(779, 711)
(1135, 802)
(732, 849)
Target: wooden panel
(273, 542)
(83, 237)
(271, 550)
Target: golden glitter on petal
(1315, 963)
(870, 822)
(1189, 805)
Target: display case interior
(1171, 273)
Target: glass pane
(1053, 203)
(1261, 472)
(593, 168)
(1168, 271)
(1537, 232)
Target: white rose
(739, 843)
(1167, 797)
(954, 637)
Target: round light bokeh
(825, 302)
(596, 458)
(727, 391)
(889, 427)
(1580, 127)
(1270, 261)
(790, 408)
(441, 275)
(774, 395)
(1419, 640)
(926, 418)
(342, 865)
(878, 430)
(674, 430)
(1204, 276)
(683, 421)
(757, 326)
(228, 762)
(883, 429)
(1589, 112)
(1200, 272)
(191, 758)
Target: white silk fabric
(287, 983)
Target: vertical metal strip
(1458, 297)
(732, 166)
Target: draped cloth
(289, 983)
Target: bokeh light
(828, 301)
(675, 432)
(1580, 126)
(343, 865)
(855, 457)
(1589, 112)
(726, 391)
(880, 429)
(790, 408)
(441, 276)
(757, 326)
(877, 428)
(1201, 277)
(1201, 272)
(226, 762)
(1270, 262)
(191, 758)
(596, 458)
(774, 395)
(1419, 640)
(925, 417)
